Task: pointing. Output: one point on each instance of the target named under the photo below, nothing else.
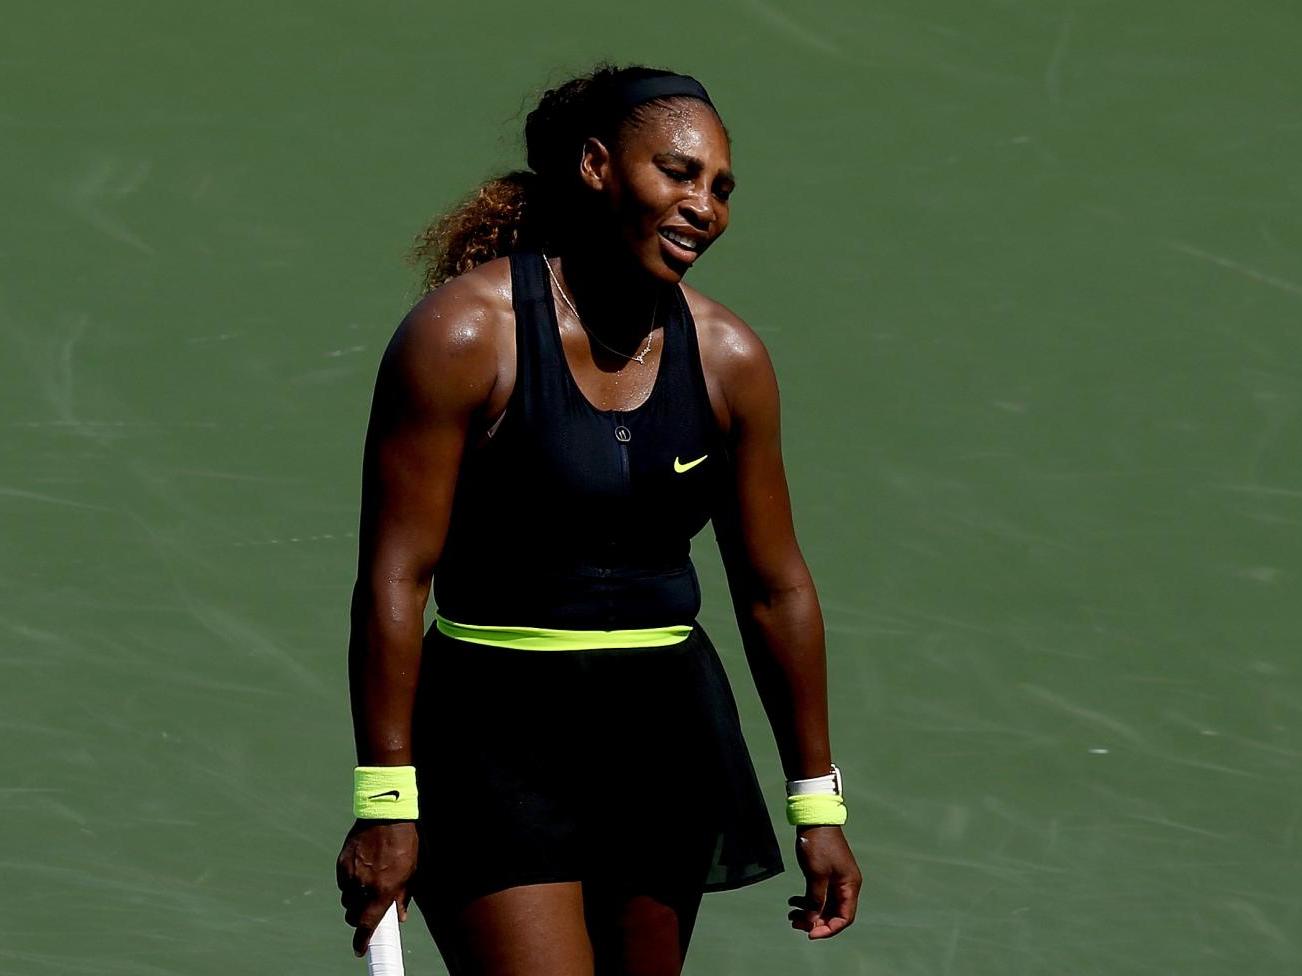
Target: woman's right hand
(374, 869)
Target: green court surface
(1031, 274)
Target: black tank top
(574, 517)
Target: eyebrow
(694, 163)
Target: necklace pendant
(640, 360)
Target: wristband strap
(808, 809)
(385, 793)
(831, 783)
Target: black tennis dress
(625, 764)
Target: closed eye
(686, 169)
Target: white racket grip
(384, 955)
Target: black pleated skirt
(624, 765)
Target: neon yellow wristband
(807, 809)
(384, 793)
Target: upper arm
(754, 526)
(436, 373)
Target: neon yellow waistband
(551, 639)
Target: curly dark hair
(520, 210)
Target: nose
(698, 209)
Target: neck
(615, 296)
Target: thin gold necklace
(639, 358)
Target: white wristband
(831, 783)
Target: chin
(672, 274)
(664, 266)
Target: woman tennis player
(552, 423)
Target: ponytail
(498, 218)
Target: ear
(594, 164)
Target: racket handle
(384, 956)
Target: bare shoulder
(461, 317)
(452, 341)
(734, 358)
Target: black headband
(632, 93)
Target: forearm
(384, 668)
(782, 632)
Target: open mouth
(684, 247)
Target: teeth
(679, 239)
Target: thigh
(640, 932)
(527, 930)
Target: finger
(816, 889)
(355, 895)
(827, 929)
(847, 901)
(366, 923)
(354, 900)
(353, 915)
(402, 900)
(804, 912)
(356, 909)
(839, 911)
(816, 897)
(362, 939)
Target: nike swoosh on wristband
(393, 793)
(680, 467)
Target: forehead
(683, 125)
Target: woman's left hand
(832, 881)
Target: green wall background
(1032, 277)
